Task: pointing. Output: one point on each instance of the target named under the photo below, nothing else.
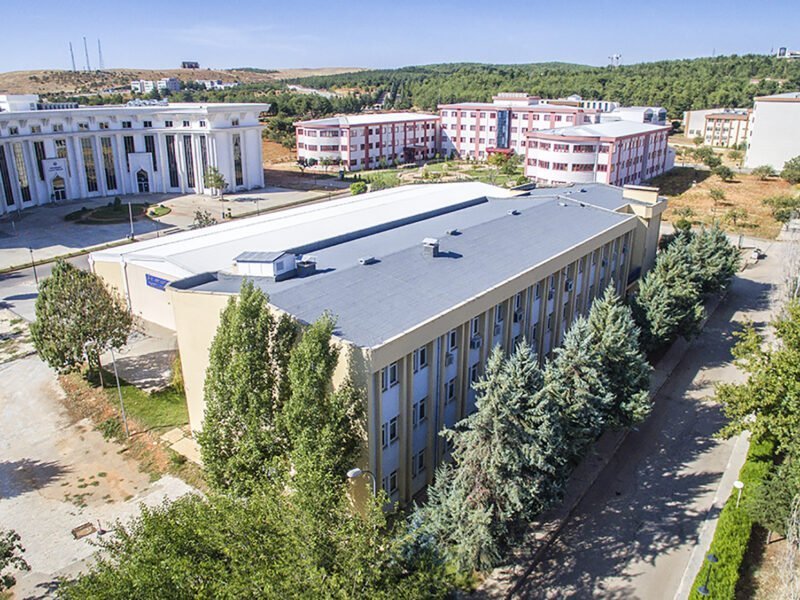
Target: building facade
(145, 86)
(70, 154)
(473, 130)
(722, 127)
(616, 153)
(774, 131)
(466, 267)
(368, 141)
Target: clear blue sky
(311, 33)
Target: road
(642, 528)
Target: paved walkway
(56, 475)
(642, 528)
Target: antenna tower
(72, 56)
(86, 52)
(99, 55)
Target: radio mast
(99, 55)
(72, 56)
(86, 52)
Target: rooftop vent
(430, 247)
(306, 266)
(513, 211)
(562, 204)
(453, 232)
(367, 260)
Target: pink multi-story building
(615, 152)
(368, 141)
(476, 129)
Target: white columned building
(52, 155)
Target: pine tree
(615, 338)
(668, 303)
(241, 440)
(575, 381)
(507, 464)
(714, 258)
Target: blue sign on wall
(156, 282)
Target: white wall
(774, 134)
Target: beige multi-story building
(723, 127)
(424, 282)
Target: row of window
(104, 125)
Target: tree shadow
(18, 477)
(147, 371)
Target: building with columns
(53, 155)
(424, 281)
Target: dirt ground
(69, 82)
(275, 153)
(761, 578)
(689, 187)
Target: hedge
(734, 527)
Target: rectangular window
(390, 483)
(384, 436)
(475, 326)
(126, 125)
(473, 374)
(8, 191)
(102, 125)
(393, 430)
(452, 340)
(188, 156)
(22, 173)
(186, 123)
(83, 126)
(420, 411)
(498, 314)
(129, 149)
(450, 391)
(147, 124)
(38, 149)
(36, 129)
(58, 127)
(108, 163)
(88, 164)
(418, 463)
(203, 156)
(167, 123)
(237, 159)
(537, 291)
(234, 122)
(61, 152)
(172, 162)
(150, 148)
(420, 358)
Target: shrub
(177, 374)
(791, 170)
(723, 172)
(764, 172)
(359, 187)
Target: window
(61, 151)
(58, 127)
(188, 156)
(6, 179)
(38, 148)
(203, 156)
(103, 125)
(83, 126)
(475, 326)
(418, 463)
(390, 483)
(237, 159)
(108, 163)
(147, 124)
(22, 172)
(473, 374)
(172, 162)
(88, 164)
(166, 124)
(129, 148)
(450, 391)
(550, 322)
(498, 314)
(452, 340)
(202, 123)
(420, 411)
(186, 123)
(537, 291)
(389, 431)
(126, 125)
(150, 148)
(36, 129)
(389, 376)
(420, 358)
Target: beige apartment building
(424, 282)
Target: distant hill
(69, 83)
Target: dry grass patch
(742, 210)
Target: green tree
(508, 464)
(575, 381)
(77, 317)
(203, 218)
(770, 503)
(791, 170)
(715, 260)
(698, 140)
(215, 181)
(736, 155)
(764, 172)
(241, 443)
(615, 339)
(359, 187)
(735, 215)
(784, 207)
(668, 302)
(712, 161)
(11, 552)
(723, 172)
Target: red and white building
(368, 141)
(476, 129)
(615, 152)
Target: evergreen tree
(507, 464)
(77, 317)
(615, 338)
(668, 303)
(241, 440)
(575, 381)
(714, 259)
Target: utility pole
(100, 55)
(130, 216)
(86, 52)
(72, 56)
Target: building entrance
(143, 182)
(59, 189)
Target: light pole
(33, 266)
(130, 217)
(356, 473)
(738, 485)
(119, 391)
(703, 589)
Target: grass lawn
(159, 211)
(112, 214)
(164, 409)
(686, 187)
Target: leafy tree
(77, 317)
(784, 208)
(698, 140)
(359, 187)
(715, 260)
(11, 551)
(712, 161)
(508, 461)
(203, 218)
(723, 172)
(615, 339)
(770, 503)
(668, 302)
(215, 181)
(735, 215)
(764, 172)
(791, 170)
(241, 442)
(736, 155)
(575, 381)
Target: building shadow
(18, 477)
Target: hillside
(66, 83)
(678, 85)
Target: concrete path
(635, 532)
(56, 475)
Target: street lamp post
(356, 473)
(119, 391)
(130, 217)
(703, 589)
(33, 266)
(738, 485)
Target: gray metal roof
(259, 257)
(403, 287)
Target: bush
(177, 374)
(723, 172)
(734, 527)
(764, 172)
(359, 187)
(791, 170)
